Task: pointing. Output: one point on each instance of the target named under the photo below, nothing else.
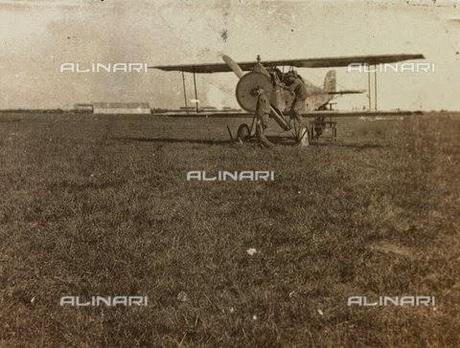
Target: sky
(37, 37)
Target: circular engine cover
(246, 89)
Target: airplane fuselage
(316, 98)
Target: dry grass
(100, 206)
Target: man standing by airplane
(297, 87)
(263, 114)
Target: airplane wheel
(243, 133)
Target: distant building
(187, 108)
(201, 108)
(208, 108)
(83, 108)
(121, 108)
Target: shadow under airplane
(277, 140)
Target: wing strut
(196, 93)
(185, 92)
(369, 85)
(375, 89)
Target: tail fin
(330, 81)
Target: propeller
(239, 73)
(233, 65)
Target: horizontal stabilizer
(347, 91)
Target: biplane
(266, 79)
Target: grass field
(101, 206)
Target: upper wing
(299, 63)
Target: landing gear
(300, 133)
(303, 137)
(253, 93)
(257, 130)
(319, 126)
(253, 134)
(261, 136)
(243, 134)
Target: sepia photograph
(230, 173)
